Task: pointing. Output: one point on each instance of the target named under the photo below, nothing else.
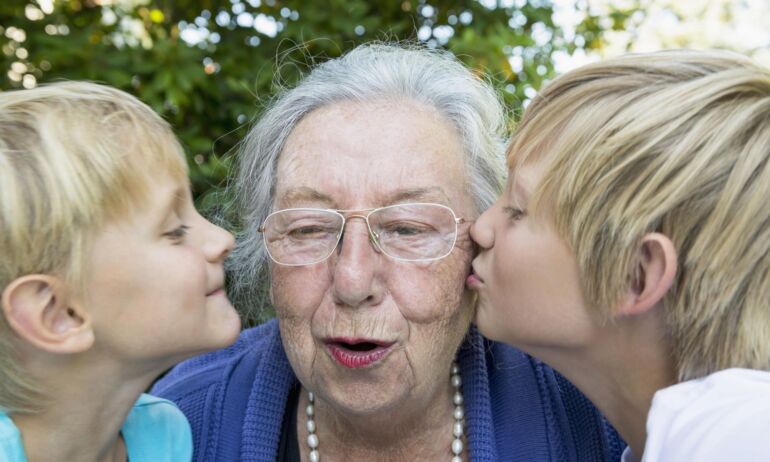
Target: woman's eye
(177, 234)
(514, 214)
(405, 229)
(309, 231)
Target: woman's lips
(355, 353)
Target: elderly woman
(358, 188)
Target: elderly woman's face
(362, 330)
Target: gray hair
(434, 78)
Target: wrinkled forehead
(353, 155)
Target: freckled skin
(359, 155)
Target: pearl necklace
(457, 428)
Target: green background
(210, 91)
(209, 71)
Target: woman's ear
(652, 275)
(38, 307)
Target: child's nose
(482, 231)
(219, 243)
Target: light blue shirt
(155, 430)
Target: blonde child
(108, 274)
(631, 249)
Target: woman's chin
(366, 391)
(364, 402)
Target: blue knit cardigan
(516, 408)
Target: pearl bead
(457, 428)
(457, 446)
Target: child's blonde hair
(676, 142)
(73, 155)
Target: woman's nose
(482, 231)
(356, 269)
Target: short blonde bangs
(73, 155)
(676, 142)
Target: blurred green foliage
(209, 66)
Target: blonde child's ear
(652, 275)
(38, 307)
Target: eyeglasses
(407, 232)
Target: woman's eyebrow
(304, 194)
(430, 194)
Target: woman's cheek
(430, 293)
(298, 291)
(297, 340)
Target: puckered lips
(217, 286)
(218, 291)
(473, 281)
(356, 352)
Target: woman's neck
(83, 418)
(412, 431)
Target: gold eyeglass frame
(363, 214)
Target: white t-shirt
(722, 417)
(155, 430)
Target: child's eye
(177, 234)
(514, 214)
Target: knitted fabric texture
(516, 408)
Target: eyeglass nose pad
(375, 240)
